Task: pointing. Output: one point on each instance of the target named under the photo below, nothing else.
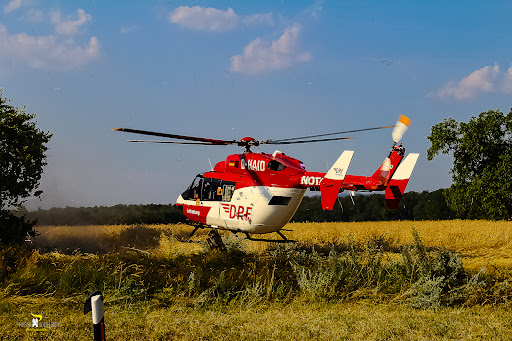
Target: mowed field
(244, 294)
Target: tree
(431, 206)
(482, 164)
(22, 158)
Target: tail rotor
(401, 127)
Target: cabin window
(276, 166)
(227, 191)
(279, 200)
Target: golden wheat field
(480, 243)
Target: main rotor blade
(179, 142)
(329, 134)
(304, 141)
(173, 136)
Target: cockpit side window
(209, 189)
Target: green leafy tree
(22, 158)
(482, 164)
(431, 206)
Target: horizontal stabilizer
(405, 169)
(331, 183)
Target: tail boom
(392, 177)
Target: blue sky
(230, 69)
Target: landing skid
(196, 227)
(215, 241)
(188, 239)
(284, 240)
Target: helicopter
(258, 193)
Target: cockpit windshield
(209, 189)
(194, 190)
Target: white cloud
(214, 20)
(204, 19)
(258, 19)
(70, 27)
(507, 83)
(477, 82)
(47, 52)
(259, 57)
(11, 6)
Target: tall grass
(479, 243)
(421, 276)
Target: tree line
(414, 206)
(103, 215)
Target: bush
(14, 229)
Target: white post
(94, 304)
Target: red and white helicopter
(257, 193)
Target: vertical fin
(340, 167)
(332, 181)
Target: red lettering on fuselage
(311, 180)
(241, 211)
(238, 212)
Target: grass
(384, 280)
(362, 320)
(106, 238)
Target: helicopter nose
(180, 201)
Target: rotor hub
(248, 142)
